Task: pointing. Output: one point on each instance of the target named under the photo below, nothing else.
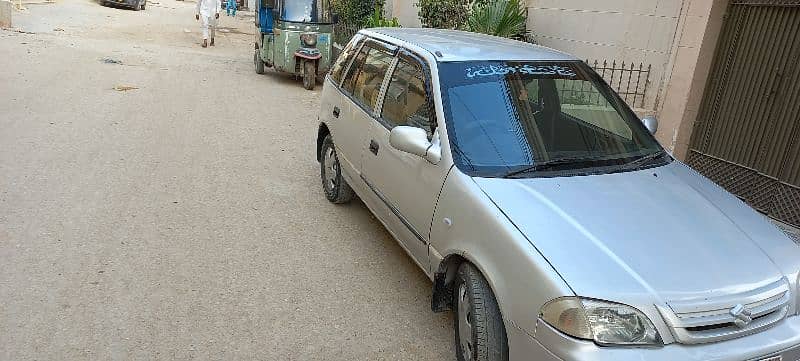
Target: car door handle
(373, 147)
(335, 112)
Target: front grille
(710, 319)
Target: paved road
(183, 219)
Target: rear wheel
(480, 332)
(309, 75)
(333, 184)
(258, 62)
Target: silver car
(547, 216)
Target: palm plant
(505, 18)
(377, 20)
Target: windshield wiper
(550, 164)
(645, 159)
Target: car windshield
(512, 118)
(306, 11)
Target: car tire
(144, 4)
(479, 329)
(333, 184)
(258, 62)
(309, 75)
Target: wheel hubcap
(464, 325)
(331, 169)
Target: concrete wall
(692, 55)
(639, 31)
(405, 11)
(678, 37)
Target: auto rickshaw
(294, 36)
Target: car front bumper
(551, 345)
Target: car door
(361, 86)
(407, 184)
(336, 110)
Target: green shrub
(443, 14)
(377, 20)
(505, 18)
(355, 12)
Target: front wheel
(480, 332)
(309, 75)
(333, 184)
(258, 62)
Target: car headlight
(309, 40)
(606, 323)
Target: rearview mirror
(651, 123)
(415, 141)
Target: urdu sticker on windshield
(521, 69)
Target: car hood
(665, 232)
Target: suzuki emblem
(741, 316)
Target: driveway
(181, 218)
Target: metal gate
(747, 134)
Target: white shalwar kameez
(208, 10)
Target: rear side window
(344, 59)
(365, 77)
(348, 79)
(406, 101)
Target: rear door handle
(373, 147)
(335, 112)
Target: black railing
(630, 80)
(342, 33)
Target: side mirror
(651, 123)
(414, 140)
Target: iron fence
(342, 33)
(628, 80)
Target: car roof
(455, 45)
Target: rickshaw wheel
(309, 75)
(258, 63)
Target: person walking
(230, 7)
(208, 13)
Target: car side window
(370, 75)
(406, 101)
(348, 82)
(344, 59)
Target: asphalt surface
(183, 219)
